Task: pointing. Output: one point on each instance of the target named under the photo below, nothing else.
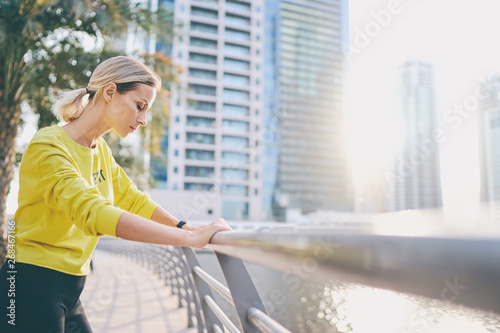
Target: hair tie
(87, 90)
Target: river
(335, 306)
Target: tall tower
(417, 181)
(489, 145)
(304, 161)
(214, 150)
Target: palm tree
(43, 50)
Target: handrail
(216, 285)
(435, 267)
(264, 322)
(221, 315)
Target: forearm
(136, 228)
(160, 215)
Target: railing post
(202, 289)
(188, 286)
(243, 291)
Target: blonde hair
(125, 72)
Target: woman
(71, 192)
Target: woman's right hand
(202, 235)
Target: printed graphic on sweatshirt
(98, 177)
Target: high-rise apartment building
(416, 181)
(304, 162)
(489, 146)
(214, 139)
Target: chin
(122, 135)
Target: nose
(142, 119)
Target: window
(203, 12)
(235, 126)
(198, 187)
(200, 122)
(234, 64)
(201, 155)
(234, 190)
(202, 73)
(203, 27)
(237, 34)
(202, 42)
(201, 105)
(230, 174)
(234, 142)
(236, 80)
(235, 110)
(234, 158)
(235, 95)
(194, 171)
(236, 5)
(200, 138)
(202, 89)
(237, 20)
(202, 58)
(236, 49)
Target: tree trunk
(9, 123)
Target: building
(304, 162)
(416, 180)
(214, 139)
(489, 146)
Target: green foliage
(47, 46)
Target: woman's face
(127, 111)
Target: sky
(461, 39)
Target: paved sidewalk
(121, 296)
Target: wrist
(182, 224)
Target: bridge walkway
(121, 296)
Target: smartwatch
(181, 223)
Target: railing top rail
(459, 269)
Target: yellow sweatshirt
(69, 196)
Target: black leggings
(41, 300)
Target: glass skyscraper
(304, 161)
(417, 178)
(489, 139)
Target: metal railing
(434, 267)
(181, 270)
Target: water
(303, 306)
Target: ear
(109, 92)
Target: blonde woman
(71, 192)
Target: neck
(88, 128)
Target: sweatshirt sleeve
(127, 196)
(64, 189)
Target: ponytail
(70, 105)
